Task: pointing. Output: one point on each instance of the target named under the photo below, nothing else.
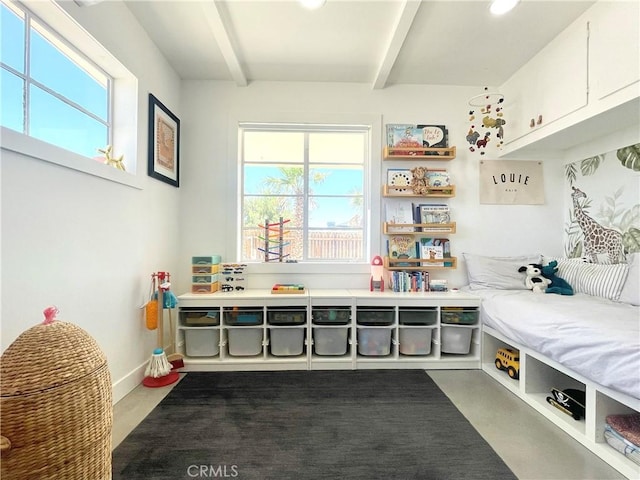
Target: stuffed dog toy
(534, 280)
(558, 285)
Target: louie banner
(511, 182)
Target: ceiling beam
(408, 11)
(221, 32)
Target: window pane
(335, 245)
(313, 177)
(12, 47)
(273, 147)
(11, 111)
(335, 212)
(56, 71)
(340, 148)
(56, 122)
(257, 209)
(336, 180)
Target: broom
(159, 371)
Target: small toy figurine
(377, 273)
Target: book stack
(409, 281)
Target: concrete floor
(529, 444)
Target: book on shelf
(399, 212)
(429, 136)
(406, 281)
(432, 213)
(437, 285)
(400, 180)
(404, 135)
(438, 178)
(401, 247)
(434, 136)
(436, 250)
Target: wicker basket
(56, 409)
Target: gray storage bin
(455, 340)
(415, 340)
(418, 316)
(330, 341)
(202, 342)
(245, 341)
(285, 341)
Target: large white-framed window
(315, 178)
(64, 96)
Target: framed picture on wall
(164, 143)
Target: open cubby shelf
(538, 374)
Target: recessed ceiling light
(500, 7)
(312, 4)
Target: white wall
(86, 244)
(209, 187)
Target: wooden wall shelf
(418, 264)
(433, 228)
(428, 154)
(433, 192)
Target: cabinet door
(614, 48)
(550, 86)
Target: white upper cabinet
(582, 85)
(552, 85)
(614, 49)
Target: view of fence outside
(323, 244)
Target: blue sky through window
(51, 118)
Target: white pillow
(593, 278)
(497, 272)
(631, 288)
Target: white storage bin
(202, 342)
(374, 341)
(245, 341)
(455, 340)
(286, 341)
(415, 341)
(330, 341)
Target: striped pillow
(593, 278)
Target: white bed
(595, 337)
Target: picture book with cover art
(400, 213)
(435, 249)
(402, 247)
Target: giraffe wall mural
(602, 222)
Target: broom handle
(160, 318)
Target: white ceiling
(379, 42)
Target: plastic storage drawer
(374, 341)
(415, 340)
(418, 316)
(330, 341)
(286, 317)
(202, 342)
(286, 341)
(331, 316)
(243, 317)
(200, 318)
(245, 342)
(455, 340)
(375, 316)
(460, 316)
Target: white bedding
(595, 337)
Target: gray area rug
(356, 424)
